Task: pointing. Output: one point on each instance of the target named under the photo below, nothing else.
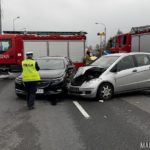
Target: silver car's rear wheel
(105, 91)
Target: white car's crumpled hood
(85, 74)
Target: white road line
(84, 113)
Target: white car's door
(143, 70)
(125, 78)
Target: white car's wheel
(105, 91)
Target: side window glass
(125, 63)
(123, 40)
(4, 45)
(142, 60)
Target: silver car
(112, 74)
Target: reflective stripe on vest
(29, 71)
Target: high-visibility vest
(89, 59)
(93, 57)
(29, 71)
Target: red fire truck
(14, 45)
(135, 41)
(121, 43)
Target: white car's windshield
(104, 61)
(51, 64)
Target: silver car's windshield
(51, 64)
(104, 61)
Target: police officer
(30, 76)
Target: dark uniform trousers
(31, 88)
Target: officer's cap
(29, 53)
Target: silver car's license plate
(74, 89)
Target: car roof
(126, 54)
(54, 57)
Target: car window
(142, 60)
(5, 44)
(104, 61)
(125, 63)
(51, 64)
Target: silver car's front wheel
(105, 91)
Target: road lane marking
(4, 76)
(84, 113)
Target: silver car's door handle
(134, 70)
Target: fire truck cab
(137, 40)
(121, 43)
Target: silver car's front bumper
(84, 92)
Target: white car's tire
(105, 91)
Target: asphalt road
(74, 123)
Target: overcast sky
(76, 15)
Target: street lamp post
(104, 30)
(14, 19)
(101, 45)
(0, 18)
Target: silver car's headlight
(92, 83)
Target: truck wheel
(105, 91)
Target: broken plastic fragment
(105, 117)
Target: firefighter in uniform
(89, 58)
(30, 76)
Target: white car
(112, 74)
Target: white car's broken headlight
(92, 83)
